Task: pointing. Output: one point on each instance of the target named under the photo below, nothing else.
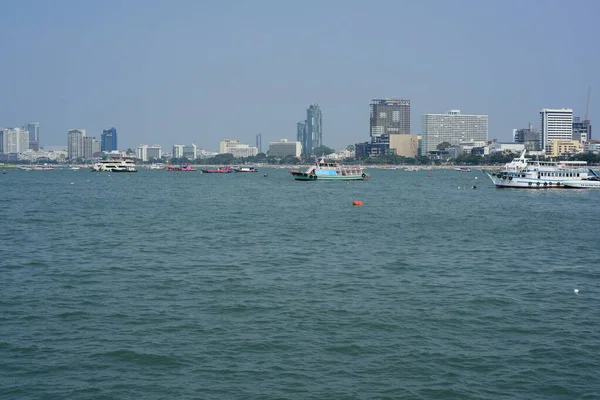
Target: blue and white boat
(329, 171)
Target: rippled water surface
(237, 286)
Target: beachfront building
(75, 143)
(284, 148)
(555, 124)
(452, 127)
(389, 117)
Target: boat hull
(582, 185)
(302, 176)
(525, 183)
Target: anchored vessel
(220, 170)
(181, 167)
(592, 182)
(329, 171)
(246, 169)
(115, 165)
(526, 173)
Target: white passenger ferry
(115, 165)
(526, 173)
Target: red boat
(181, 167)
(220, 170)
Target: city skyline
(239, 70)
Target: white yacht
(156, 166)
(115, 165)
(533, 174)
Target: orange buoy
(357, 203)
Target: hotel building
(555, 124)
(453, 128)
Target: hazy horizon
(198, 72)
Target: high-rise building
(389, 117)
(75, 143)
(224, 144)
(530, 137)
(1, 140)
(283, 149)
(190, 151)
(178, 150)
(556, 124)
(33, 129)
(302, 137)
(582, 130)
(91, 147)
(314, 126)
(259, 142)
(310, 131)
(239, 150)
(453, 128)
(148, 153)
(109, 140)
(154, 152)
(15, 140)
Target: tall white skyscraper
(15, 140)
(556, 124)
(453, 128)
(75, 143)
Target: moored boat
(220, 170)
(115, 164)
(156, 166)
(329, 171)
(246, 169)
(44, 167)
(525, 173)
(181, 167)
(592, 182)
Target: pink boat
(181, 167)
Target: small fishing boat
(220, 170)
(181, 167)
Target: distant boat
(220, 170)
(181, 167)
(116, 164)
(246, 169)
(42, 167)
(462, 169)
(329, 171)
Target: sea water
(185, 285)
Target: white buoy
(576, 291)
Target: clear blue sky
(165, 72)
